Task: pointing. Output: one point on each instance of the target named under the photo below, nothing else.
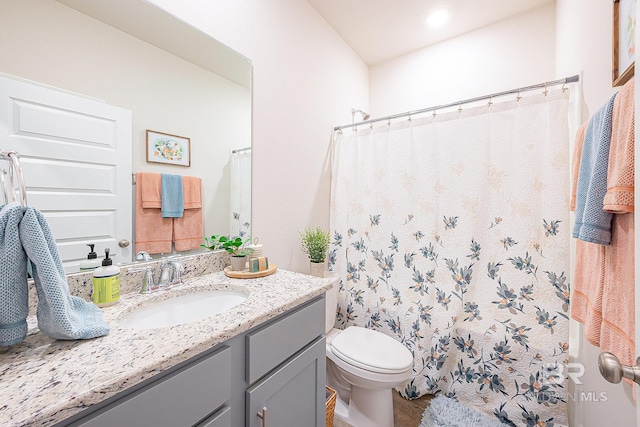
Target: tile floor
(406, 413)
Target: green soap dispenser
(106, 283)
(92, 262)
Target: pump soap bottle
(106, 283)
(92, 262)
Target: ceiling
(378, 30)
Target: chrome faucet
(143, 256)
(170, 275)
(148, 284)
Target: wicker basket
(331, 405)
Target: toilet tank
(331, 301)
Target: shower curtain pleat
(240, 194)
(451, 234)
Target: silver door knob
(613, 371)
(123, 243)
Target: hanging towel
(619, 197)
(153, 233)
(586, 297)
(150, 185)
(618, 302)
(593, 224)
(172, 196)
(60, 315)
(14, 294)
(188, 230)
(575, 163)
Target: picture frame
(168, 148)
(624, 19)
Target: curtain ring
(371, 125)
(545, 89)
(339, 131)
(564, 88)
(518, 97)
(459, 108)
(388, 122)
(409, 119)
(490, 101)
(434, 113)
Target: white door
(75, 154)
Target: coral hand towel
(153, 232)
(188, 230)
(618, 302)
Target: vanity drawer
(273, 344)
(196, 389)
(222, 418)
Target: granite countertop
(45, 381)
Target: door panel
(75, 154)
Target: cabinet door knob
(263, 416)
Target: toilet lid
(371, 350)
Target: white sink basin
(182, 309)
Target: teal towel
(593, 223)
(60, 315)
(172, 196)
(14, 293)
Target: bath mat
(446, 412)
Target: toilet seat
(372, 351)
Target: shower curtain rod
(240, 150)
(544, 85)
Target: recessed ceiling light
(438, 18)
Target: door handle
(614, 371)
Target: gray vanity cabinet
(181, 398)
(293, 395)
(293, 391)
(279, 365)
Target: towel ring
(15, 174)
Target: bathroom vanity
(267, 352)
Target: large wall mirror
(174, 78)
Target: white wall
(306, 80)
(516, 52)
(56, 45)
(583, 44)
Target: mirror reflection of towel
(172, 196)
(188, 230)
(153, 233)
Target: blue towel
(172, 196)
(593, 224)
(14, 293)
(60, 315)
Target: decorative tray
(246, 274)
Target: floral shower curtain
(240, 194)
(450, 234)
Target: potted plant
(315, 243)
(212, 243)
(236, 247)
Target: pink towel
(618, 304)
(188, 230)
(586, 300)
(153, 233)
(604, 282)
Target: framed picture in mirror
(624, 45)
(167, 148)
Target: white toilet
(363, 366)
